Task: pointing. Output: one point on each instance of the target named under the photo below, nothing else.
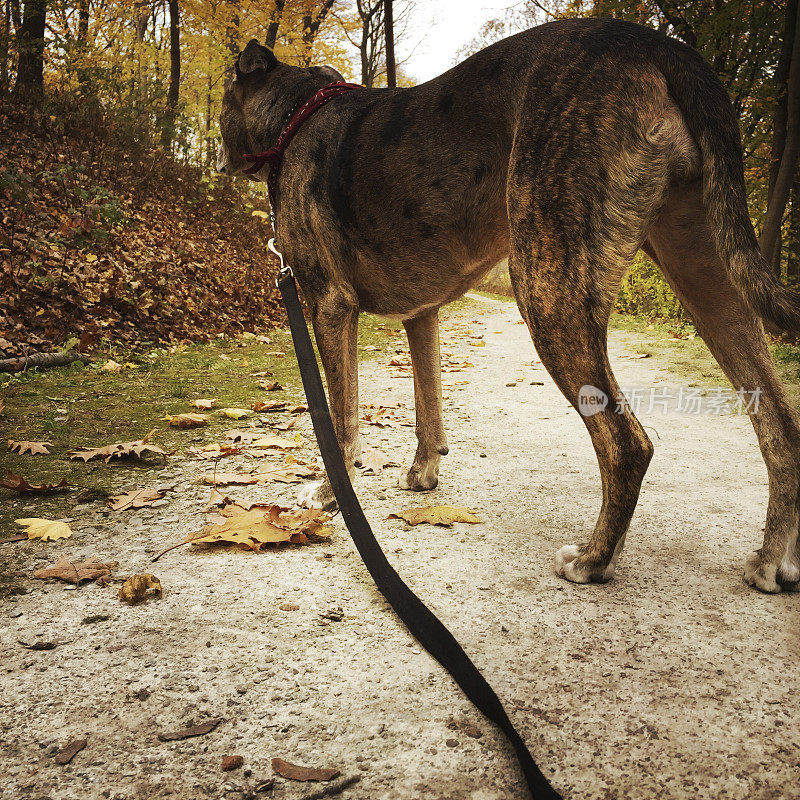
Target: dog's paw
(762, 576)
(571, 565)
(420, 478)
(317, 495)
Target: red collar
(274, 156)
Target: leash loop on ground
(417, 617)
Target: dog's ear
(329, 73)
(255, 58)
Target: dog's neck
(288, 95)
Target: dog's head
(261, 93)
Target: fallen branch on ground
(41, 361)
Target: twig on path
(332, 788)
(164, 552)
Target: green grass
(79, 406)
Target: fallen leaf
(186, 733)
(111, 366)
(235, 413)
(294, 772)
(186, 420)
(204, 404)
(274, 442)
(231, 762)
(301, 409)
(374, 461)
(261, 525)
(437, 515)
(286, 474)
(137, 448)
(45, 529)
(213, 451)
(270, 386)
(136, 499)
(637, 355)
(139, 588)
(77, 571)
(229, 479)
(19, 484)
(268, 405)
(34, 448)
(69, 751)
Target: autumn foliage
(105, 239)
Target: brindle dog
(566, 148)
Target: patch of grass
(80, 406)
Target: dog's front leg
(335, 322)
(423, 341)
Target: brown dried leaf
(34, 448)
(119, 450)
(77, 571)
(437, 515)
(268, 405)
(294, 772)
(204, 404)
(374, 461)
(69, 751)
(270, 386)
(19, 484)
(274, 442)
(185, 733)
(186, 420)
(261, 525)
(139, 588)
(286, 474)
(136, 499)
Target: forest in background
(115, 226)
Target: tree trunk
(168, 129)
(786, 141)
(83, 43)
(793, 244)
(274, 24)
(391, 69)
(311, 26)
(30, 46)
(4, 49)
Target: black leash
(416, 616)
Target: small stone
(232, 762)
(452, 742)
(483, 455)
(247, 773)
(471, 731)
(289, 607)
(160, 503)
(142, 694)
(335, 614)
(511, 384)
(241, 689)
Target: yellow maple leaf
(45, 529)
(437, 515)
(235, 413)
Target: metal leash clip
(285, 268)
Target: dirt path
(675, 681)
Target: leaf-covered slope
(100, 239)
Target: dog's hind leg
(681, 242)
(423, 341)
(567, 311)
(335, 321)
